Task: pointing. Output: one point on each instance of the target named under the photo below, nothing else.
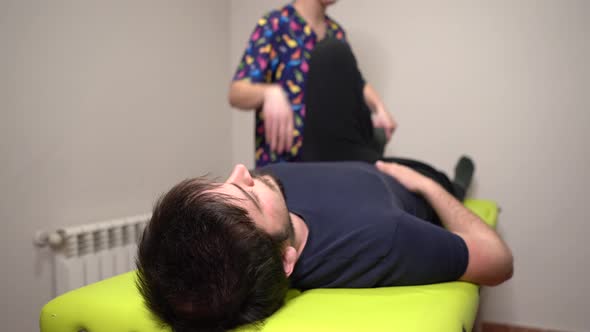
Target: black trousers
(338, 124)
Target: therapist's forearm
(372, 98)
(247, 96)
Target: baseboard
(495, 327)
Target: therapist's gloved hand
(278, 119)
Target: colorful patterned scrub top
(278, 52)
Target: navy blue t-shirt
(365, 229)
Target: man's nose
(241, 175)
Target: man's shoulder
(343, 179)
(305, 167)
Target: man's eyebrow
(269, 183)
(253, 198)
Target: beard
(287, 233)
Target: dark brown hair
(204, 265)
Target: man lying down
(218, 255)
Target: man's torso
(351, 210)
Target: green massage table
(114, 305)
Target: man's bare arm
(490, 259)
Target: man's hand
(383, 119)
(412, 180)
(278, 119)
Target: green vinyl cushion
(115, 305)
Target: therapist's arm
(247, 96)
(272, 99)
(380, 116)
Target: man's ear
(289, 260)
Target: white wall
(506, 82)
(243, 17)
(103, 106)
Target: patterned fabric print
(278, 52)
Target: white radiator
(88, 253)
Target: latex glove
(278, 119)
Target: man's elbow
(508, 268)
(503, 271)
(490, 262)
